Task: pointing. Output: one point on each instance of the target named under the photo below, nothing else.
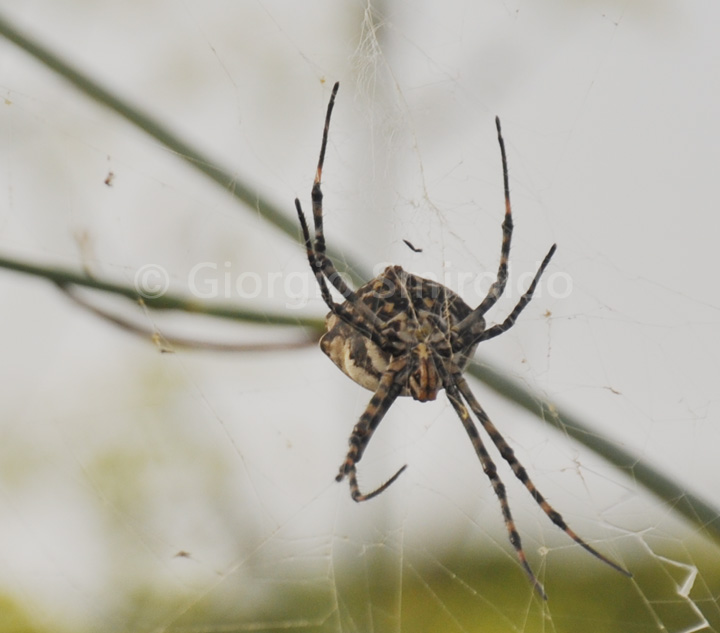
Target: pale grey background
(115, 457)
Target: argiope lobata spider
(402, 335)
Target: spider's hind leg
(490, 470)
(355, 489)
(519, 471)
(390, 385)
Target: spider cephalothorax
(402, 335)
(419, 315)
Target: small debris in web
(412, 248)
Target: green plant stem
(229, 182)
(683, 501)
(166, 301)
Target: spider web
(193, 491)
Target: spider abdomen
(415, 310)
(358, 357)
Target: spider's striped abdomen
(419, 311)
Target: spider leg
(509, 456)
(324, 261)
(363, 320)
(468, 338)
(490, 470)
(358, 496)
(498, 287)
(317, 195)
(384, 396)
(312, 258)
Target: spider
(402, 335)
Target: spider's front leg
(390, 385)
(471, 330)
(497, 289)
(363, 319)
(323, 261)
